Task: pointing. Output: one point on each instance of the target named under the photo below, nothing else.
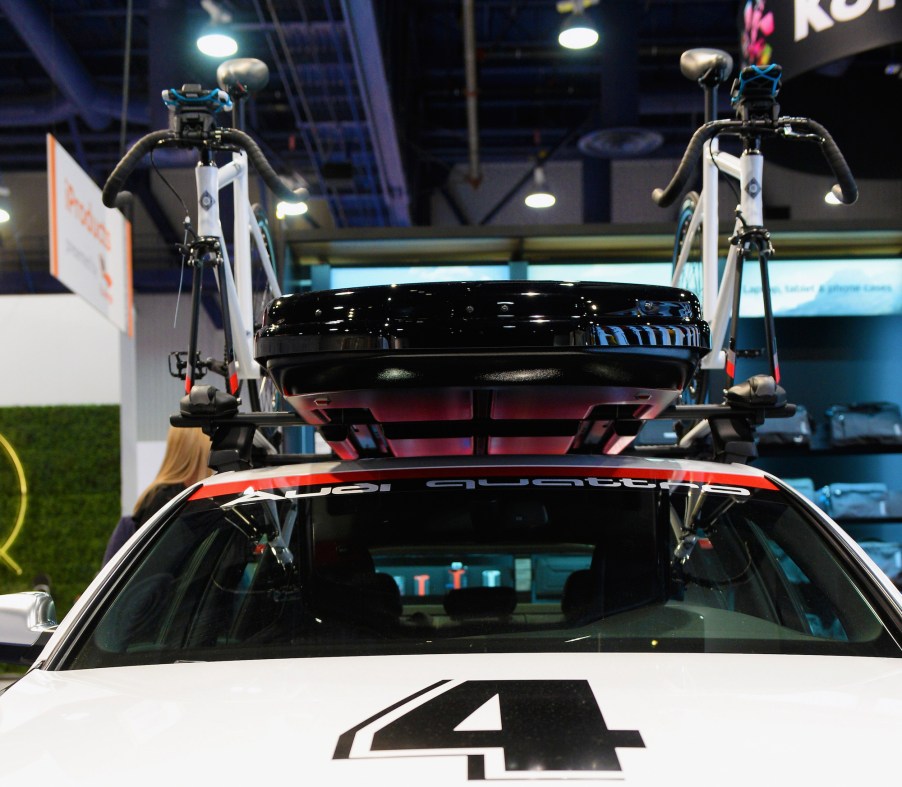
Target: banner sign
(90, 245)
(826, 288)
(802, 35)
(420, 274)
(798, 288)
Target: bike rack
(238, 444)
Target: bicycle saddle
(708, 67)
(242, 77)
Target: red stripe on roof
(387, 474)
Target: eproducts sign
(802, 35)
(90, 244)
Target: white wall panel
(160, 329)
(56, 349)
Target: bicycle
(193, 114)
(696, 260)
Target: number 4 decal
(506, 728)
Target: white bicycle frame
(717, 292)
(236, 275)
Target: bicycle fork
(207, 252)
(755, 239)
(751, 236)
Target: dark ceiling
(367, 99)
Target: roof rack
(727, 432)
(481, 368)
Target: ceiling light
(298, 206)
(284, 209)
(5, 208)
(540, 196)
(831, 199)
(578, 31)
(216, 39)
(215, 43)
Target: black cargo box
(482, 367)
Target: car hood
(645, 719)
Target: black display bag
(864, 423)
(853, 500)
(795, 430)
(804, 486)
(887, 556)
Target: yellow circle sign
(23, 502)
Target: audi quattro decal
(507, 729)
(250, 495)
(358, 482)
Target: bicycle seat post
(241, 78)
(709, 68)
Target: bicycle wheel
(696, 390)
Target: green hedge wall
(70, 456)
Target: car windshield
(465, 562)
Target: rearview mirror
(27, 621)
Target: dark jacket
(129, 523)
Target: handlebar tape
(233, 137)
(667, 195)
(278, 186)
(119, 175)
(845, 189)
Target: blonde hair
(184, 462)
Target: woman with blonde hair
(184, 464)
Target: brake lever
(787, 131)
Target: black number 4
(545, 725)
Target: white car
(491, 616)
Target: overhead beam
(564, 242)
(366, 51)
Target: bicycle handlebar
(119, 175)
(667, 195)
(264, 169)
(228, 137)
(845, 189)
